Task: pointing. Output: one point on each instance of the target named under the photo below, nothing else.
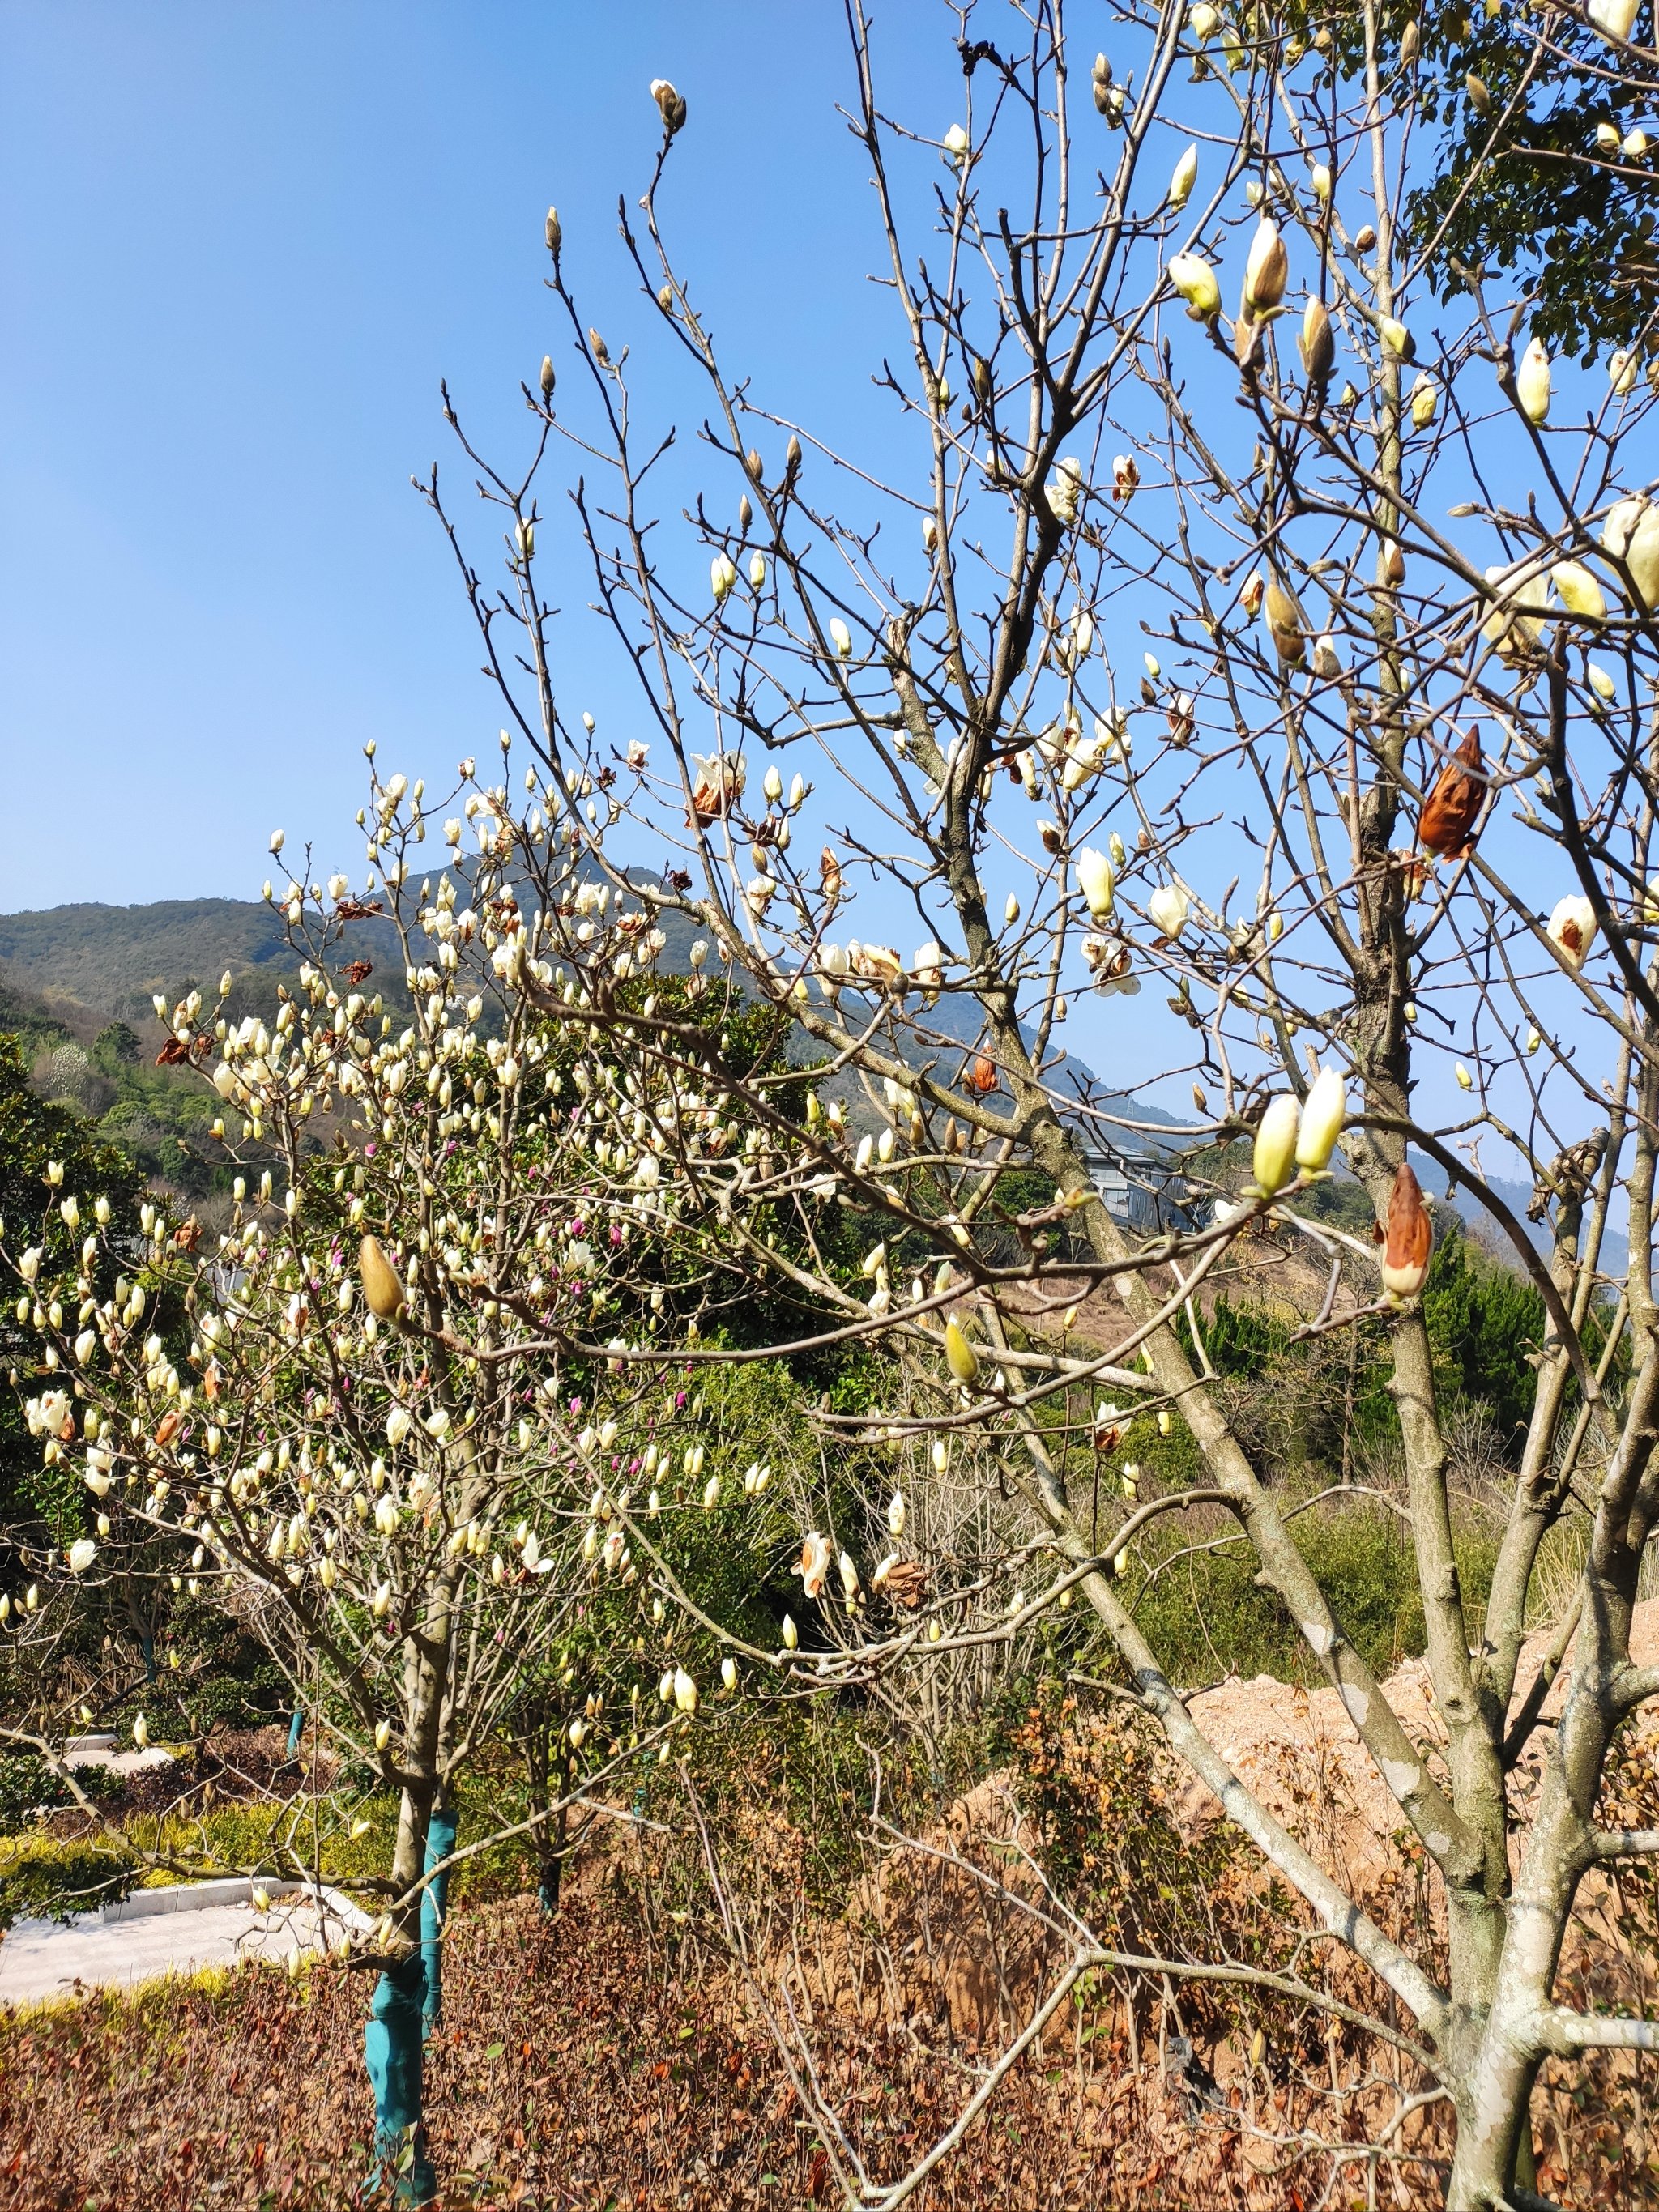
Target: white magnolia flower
(1167, 909)
(1572, 929)
(1532, 382)
(1274, 1159)
(1094, 875)
(1322, 1120)
(1196, 281)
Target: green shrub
(1207, 1616)
(44, 1880)
(28, 1785)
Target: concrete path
(169, 1933)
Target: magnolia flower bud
(1268, 269)
(1409, 1239)
(1285, 625)
(1578, 591)
(959, 1355)
(1532, 383)
(1274, 1154)
(1183, 179)
(1315, 344)
(1616, 19)
(382, 1735)
(757, 569)
(728, 1674)
(954, 145)
(895, 1514)
(841, 638)
(1167, 910)
(1094, 875)
(1621, 373)
(1630, 534)
(1572, 929)
(791, 1635)
(685, 1691)
(1065, 489)
(382, 1292)
(1322, 1120)
(1196, 281)
(671, 104)
(140, 1733)
(1425, 399)
(554, 233)
(722, 575)
(1320, 181)
(1397, 338)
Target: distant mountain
(106, 963)
(68, 971)
(111, 959)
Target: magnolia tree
(393, 1422)
(1171, 638)
(1219, 616)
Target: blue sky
(242, 244)
(243, 241)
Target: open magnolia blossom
(816, 1556)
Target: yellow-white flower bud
(1532, 382)
(1322, 1120)
(1096, 882)
(1167, 910)
(959, 1355)
(1193, 277)
(1274, 1155)
(1267, 271)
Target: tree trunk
(434, 1910)
(392, 2052)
